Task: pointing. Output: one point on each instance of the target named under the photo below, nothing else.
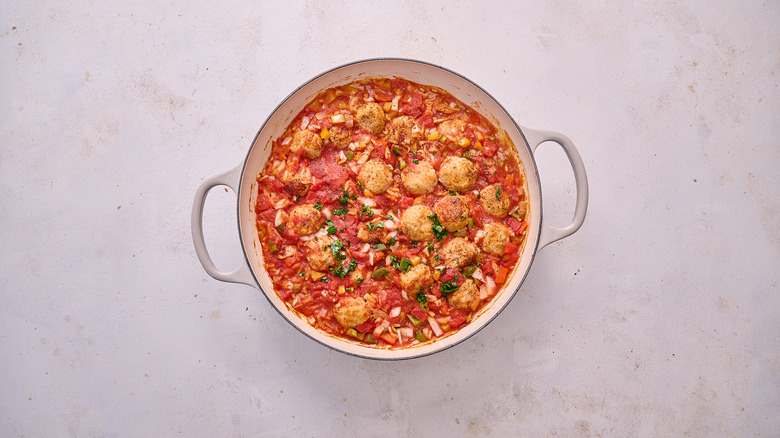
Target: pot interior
(415, 71)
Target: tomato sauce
(336, 238)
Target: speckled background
(660, 317)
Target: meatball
(453, 213)
(417, 224)
(371, 232)
(351, 312)
(404, 130)
(466, 297)
(495, 238)
(307, 142)
(371, 117)
(458, 174)
(452, 129)
(419, 178)
(297, 183)
(458, 252)
(494, 200)
(376, 176)
(321, 259)
(339, 136)
(304, 219)
(416, 280)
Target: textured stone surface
(660, 317)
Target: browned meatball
(304, 219)
(453, 213)
(457, 174)
(404, 130)
(371, 232)
(321, 259)
(417, 224)
(458, 252)
(452, 129)
(297, 183)
(466, 297)
(416, 280)
(371, 117)
(376, 176)
(307, 142)
(419, 178)
(494, 200)
(495, 238)
(340, 136)
(351, 312)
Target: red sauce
(348, 274)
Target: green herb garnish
(438, 230)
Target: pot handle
(242, 274)
(550, 233)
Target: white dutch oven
(242, 180)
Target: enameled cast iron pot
(242, 180)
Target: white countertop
(659, 317)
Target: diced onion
(349, 123)
(483, 292)
(279, 219)
(337, 118)
(478, 275)
(407, 332)
(395, 311)
(491, 285)
(435, 326)
(367, 201)
(320, 115)
(394, 106)
(390, 224)
(286, 141)
(326, 212)
(305, 122)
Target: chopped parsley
(430, 247)
(340, 211)
(341, 271)
(498, 192)
(331, 228)
(422, 299)
(438, 230)
(366, 211)
(391, 242)
(448, 287)
(324, 279)
(360, 184)
(389, 216)
(344, 199)
(415, 160)
(318, 206)
(403, 265)
(297, 198)
(375, 225)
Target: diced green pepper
(380, 273)
(370, 339)
(420, 336)
(416, 322)
(470, 221)
(352, 332)
(401, 164)
(350, 155)
(272, 246)
(397, 152)
(380, 247)
(468, 271)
